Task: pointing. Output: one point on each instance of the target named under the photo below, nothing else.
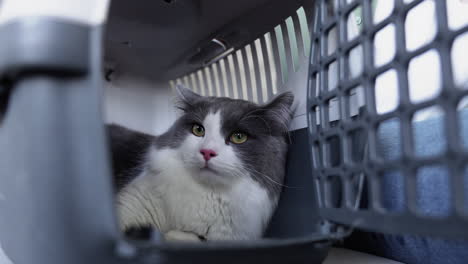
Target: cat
(216, 174)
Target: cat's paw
(176, 235)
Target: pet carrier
(360, 153)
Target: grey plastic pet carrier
(354, 67)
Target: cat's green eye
(238, 138)
(198, 130)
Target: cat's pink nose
(208, 154)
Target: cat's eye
(238, 138)
(198, 130)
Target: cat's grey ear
(186, 96)
(279, 110)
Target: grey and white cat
(216, 174)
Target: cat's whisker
(252, 170)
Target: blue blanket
(433, 197)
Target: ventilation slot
(279, 47)
(225, 78)
(259, 63)
(304, 31)
(186, 81)
(201, 82)
(216, 75)
(208, 81)
(172, 84)
(270, 65)
(244, 74)
(253, 70)
(293, 43)
(261, 77)
(193, 79)
(235, 79)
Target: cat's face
(209, 151)
(221, 139)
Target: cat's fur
(161, 181)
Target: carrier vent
(258, 70)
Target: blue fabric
(433, 197)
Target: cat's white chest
(175, 201)
(210, 213)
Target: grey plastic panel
(297, 201)
(56, 204)
(157, 39)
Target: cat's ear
(186, 97)
(279, 111)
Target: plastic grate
(349, 74)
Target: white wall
(140, 104)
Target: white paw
(175, 235)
